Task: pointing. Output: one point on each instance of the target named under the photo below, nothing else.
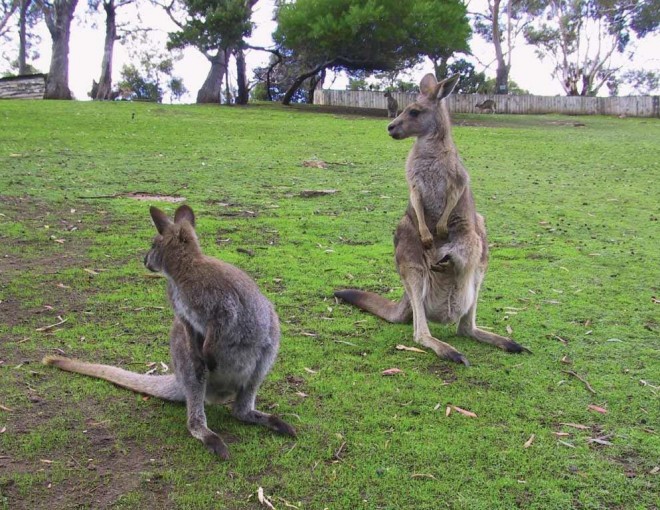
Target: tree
(152, 76)
(471, 82)
(103, 91)
(58, 15)
(7, 10)
(25, 14)
(214, 27)
(279, 76)
(644, 82)
(29, 16)
(442, 29)
(501, 25)
(581, 37)
(375, 35)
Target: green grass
(572, 214)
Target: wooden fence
(631, 106)
(31, 86)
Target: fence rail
(631, 106)
(23, 87)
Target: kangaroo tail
(161, 386)
(391, 311)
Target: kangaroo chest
(183, 309)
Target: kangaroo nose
(390, 127)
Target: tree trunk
(241, 78)
(300, 79)
(211, 90)
(58, 20)
(315, 82)
(502, 73)
(22, 37)
(104, 90)
(227, 91)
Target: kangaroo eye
(414, 113)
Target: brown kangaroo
(487, 106)
(392, 105)
(223, 342)
(441, 277)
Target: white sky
(86, 51)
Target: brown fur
(487, 106)
(442, 270)
(392, 105)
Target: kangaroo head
(427, 115)
(174, 239)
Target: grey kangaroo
(223, 342)
(441, 276)
(487, 106)
(392, 105)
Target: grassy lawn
(572, 213)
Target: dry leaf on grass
(5, 408)
(448, 411)
(310, 371)
(315, 163)
(423, 475)
(598, 409)
(529, 442)
(575, 426)
(3, 430)
(600, 440)
(464, 412)
(263, 499)
(401, 347)
(51, 326)
(392, 371)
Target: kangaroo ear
(184, 213)
(160, 219)
(447, 86)
(428, 86)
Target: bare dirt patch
(95, 472)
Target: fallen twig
(337, 454)
(574, 374)
(46, 328)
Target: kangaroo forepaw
(442, 264)
(427, 240)
(281, 427)
(217, 446)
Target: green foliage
(149, 77)
(377, 35)
(141, 88)
(213, 24)
(370, 36)
(643, 81)
(565, 28)
(439, 28)
(471, 82)
(490, 87)
(574, 271)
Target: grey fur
(441, 270)
(224, 339)
(392, 105)
(487, 106)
